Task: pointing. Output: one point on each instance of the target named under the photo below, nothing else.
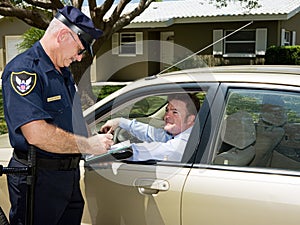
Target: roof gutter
(209, 19)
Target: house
(168, 32)
(11, 30)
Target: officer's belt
(67, 163)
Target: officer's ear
(62, 35)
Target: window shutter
(115, 43)
(139, 43)
(218, 47)
(261, 41)
(293, 38)
(282, 37)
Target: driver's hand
(110, 125)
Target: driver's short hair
(191, 101)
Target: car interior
(238, 135)
(265, 135)
(149, 109)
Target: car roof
(264, 74)
(247, 73)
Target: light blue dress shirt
(157, 143)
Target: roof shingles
(164, 11)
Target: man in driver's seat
(161, 144)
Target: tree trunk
(81, 73)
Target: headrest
(273, 114)
(238, 130)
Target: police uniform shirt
(34, 90)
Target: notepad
(117, 148)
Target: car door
(148, 192)
(247, 173)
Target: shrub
(283, 55)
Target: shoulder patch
(23, 82)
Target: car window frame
(105, 110)
(205, 152)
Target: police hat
(81, 25)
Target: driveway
(5, 154)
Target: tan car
(241, 163)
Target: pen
(109, 131)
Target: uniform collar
(46, 62)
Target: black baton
(30, 185)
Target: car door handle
(151, 186)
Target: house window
(288, 37)
(242, 42)
(127, 43)
(11, 46)
(245, 43)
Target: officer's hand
(100, 143)
(110, 125)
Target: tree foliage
(30, 37)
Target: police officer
(43, 109)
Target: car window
(144, 107)
(149, 110)
(260, 128)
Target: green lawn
(3, 127)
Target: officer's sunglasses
(81, 51)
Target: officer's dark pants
(58, 199)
